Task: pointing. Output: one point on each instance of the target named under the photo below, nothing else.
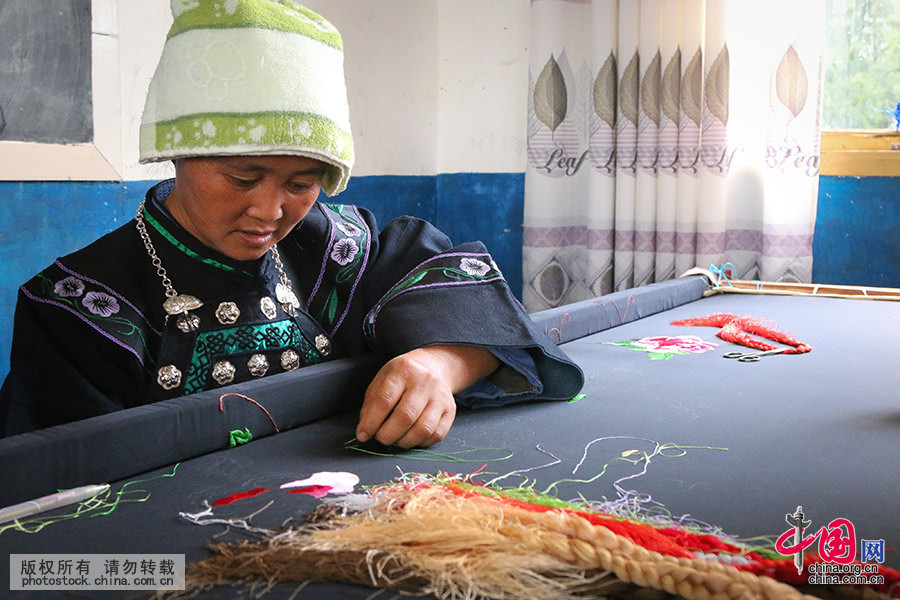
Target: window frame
(860, 152)
(100, 159)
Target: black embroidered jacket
(91, 335)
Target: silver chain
(145, 237)
(282, 276)
(161, 271)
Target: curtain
(668, 134)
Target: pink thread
(316, 491)
(222, 406)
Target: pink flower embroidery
(70, 287)
(344, 251)
(100, 304)
(473, 266)
(665, 347)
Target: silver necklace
(179, 305)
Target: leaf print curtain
(669, 134)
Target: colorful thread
(238, 437)
(664, 347)
(333, 482)
(249, 399)
(721, 273)
(450, 537)
(241, 523)
(100, 505)
(737, 330)
(556, 461)
(558, 330)
(240, 496)
(316, 491)
(431, 455)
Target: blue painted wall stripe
(856, 239)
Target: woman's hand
(410, 401)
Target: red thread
(239, 496)
(316, 491)
(678, 542)
(737, 330)
(222, 406)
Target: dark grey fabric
(818, 430)
(166, 432)
(572, 321)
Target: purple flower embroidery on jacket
(100, 304)
(349, 229)
(344, 251)
(473, 266)
(70, 287)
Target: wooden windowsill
(860, 153)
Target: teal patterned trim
(443, 270)
(343, 264)
(217, 345)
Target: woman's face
(242, 205)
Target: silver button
(258, 365)
(223, 372)
(187, 322)
(227, 313)
(323, 344)
(267, 306)
(169, 377)
(290, 360)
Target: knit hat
(250, 77)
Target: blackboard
(45, 71)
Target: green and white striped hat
(250, 77)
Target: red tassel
(737, 330)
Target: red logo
(837, 542)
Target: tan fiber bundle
(432, 539)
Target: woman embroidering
(234, 270)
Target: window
(862, 88)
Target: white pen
(45, 503)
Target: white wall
(435, 86)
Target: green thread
(577, 397)
(97, 506)
(238, 437)
(625, 457)
(431, 455)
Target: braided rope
(423, 538)
(597, 547)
